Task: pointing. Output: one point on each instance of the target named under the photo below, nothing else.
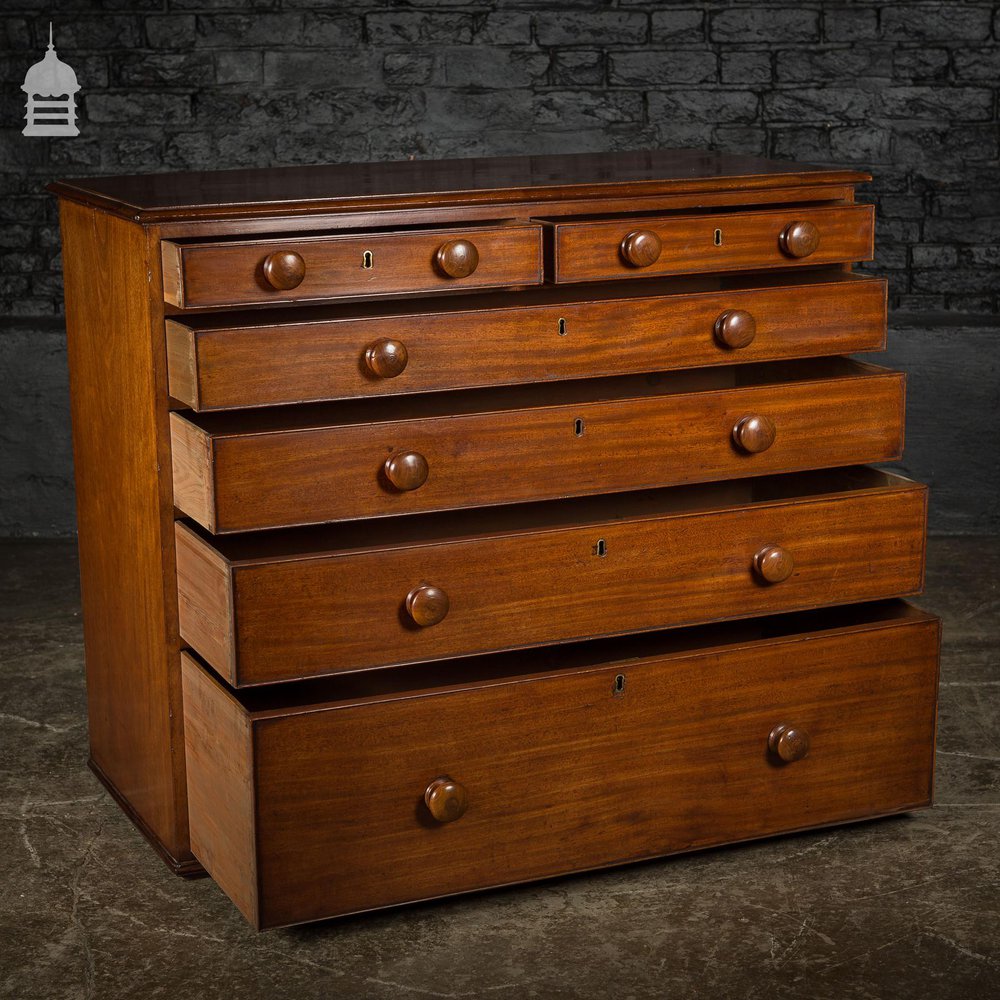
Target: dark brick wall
(907, 90)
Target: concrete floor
(906, 907)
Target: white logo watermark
(51, 88)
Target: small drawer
(595, 250)
(285, 605)
(266, 358)
(353, 795)
(354, 265)
(343, 461)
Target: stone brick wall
(905, 89)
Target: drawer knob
(284, 269)
(446, 800)
(799, 239)
(457, 258)
(386, 358)
(788, 743)
(427, 605)
(735, 328)
(406, 470)
(754, 433)
(641, 248)
(773, 564)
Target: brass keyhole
(601, 548)
(578, 427)
(562, 328)
(718, 237)
(619, 686)
(367, 260)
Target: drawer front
(658, 245)
(258, 272)
(266, 619)
(219, 366)
(288, 477)
(558, 773)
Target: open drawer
(222, 361)
(197, 274)
(643, 246)
(323, 799)
(282, 605)
(367, 458)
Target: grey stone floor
(906, 907)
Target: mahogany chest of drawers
(451, 525)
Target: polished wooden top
(437, 183)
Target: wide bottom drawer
(367, 792)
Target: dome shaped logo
(51, 88)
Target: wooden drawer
(305, 268)
(262, 359)
(284, 605)
(238, 472)
(629, 247)
(319, 807)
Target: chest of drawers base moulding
(505, 356)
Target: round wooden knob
(284, 269)
(427, 605)
(773, 564)
(386, 358)
(406, 470)
(735, 328)
(799, 239)
(788, 743)
(446, 800)
(641, 248)
(457, 258)
(754, 433)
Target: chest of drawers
(451, 525)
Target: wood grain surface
(125, 518)
(636, 432)
(220, 776)
(570, 773)
(591, 250)
(604, 628)
(356, 265)
(617, 565)
(262, 359)
(436, 185)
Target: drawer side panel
(205, 600)
(220, 779)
